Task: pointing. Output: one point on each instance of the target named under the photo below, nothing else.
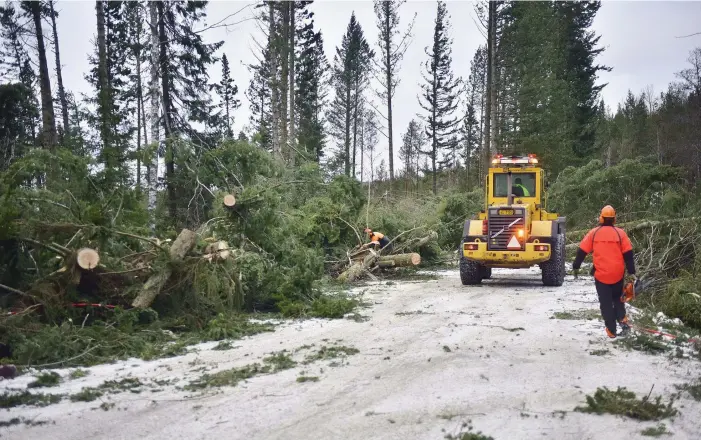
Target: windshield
(522, 184)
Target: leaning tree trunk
(185, 242)
(47, 106)
(59, 74)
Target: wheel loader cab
(514, 230)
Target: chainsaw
(634, 288)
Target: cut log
(217, 251)
(359, 267)
(181, 246)
(229, 200)
(353, 273)
(88, 259)
(400, 260)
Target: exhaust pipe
(509, 187)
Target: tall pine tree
(393, 45)
(311, 81)
(350, 76)
(439, 93)
(227, 91)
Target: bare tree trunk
(355, 127)
(103, 98)
(59, 74)
(362, 150)
(47, 106)
(491, 83)
(388, 73)
(167, 123)
(347, 133)
(284, 76)
(293, 139)
(139, 113)
(274, 104)
(155, 113)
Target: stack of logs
(363, 262)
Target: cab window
(527, 180)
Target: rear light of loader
(541, 247)
(484, 227)
(470, 246)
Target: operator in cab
(518, 190)
(376, 239)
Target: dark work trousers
(612, 309)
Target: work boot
(625, 325)
(610, 334)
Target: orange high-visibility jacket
(376, 237)
(613, 253)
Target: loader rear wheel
(470, 272)
(553, 270)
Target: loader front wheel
(470, 272)
(553, 270)
(486, 272)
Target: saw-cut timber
(87, 258)
(217, 251)
(229, 200)
(360, 267)
(185, 242)
(400, 260)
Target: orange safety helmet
(607, 212)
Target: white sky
(639, 37)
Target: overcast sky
(639, 37)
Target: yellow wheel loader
(514, 230)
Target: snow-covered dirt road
(432, 356)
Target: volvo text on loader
(514, 230)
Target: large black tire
(486, 272)
(553, 270)
(470, 272)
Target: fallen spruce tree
(364, 261)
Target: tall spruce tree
(15, 63)
(410, 151)
(227, 91)
(473, 122)
(393, 44)
(350, 76)
(259, 96)
(183, 61)
(439, 93)
(115, 101)
(311, 82)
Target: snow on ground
(432, 355)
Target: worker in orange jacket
(376, 239)
(613, 254)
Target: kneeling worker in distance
(376, 239)
(613, 254)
